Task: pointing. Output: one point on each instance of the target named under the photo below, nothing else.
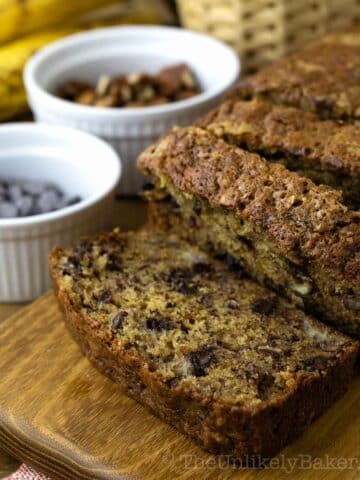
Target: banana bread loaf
(324, 78)
(238, 369)
(324, 151)
(288, 233)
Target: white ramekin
(118, 50)
(79, 164)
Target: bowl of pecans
(129, 85)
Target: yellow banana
(13, 57)
(21, 17)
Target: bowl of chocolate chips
(56, 184)
(129, 85)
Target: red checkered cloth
(26, 473)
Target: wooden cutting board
(58, 414)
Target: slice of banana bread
(324, 77)
(324, 151)
(218, 356)
(285, 231)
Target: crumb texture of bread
(325, 151)
(285, 231)
(324, 77)
(237, 368)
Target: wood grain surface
(8, 464)
(61, 416)
(130, 213)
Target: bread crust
(216, 426)
(307, 221)
(314, 78)
(264, 127)
(325, 151)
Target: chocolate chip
(264, 306)
(118, 320)
(352, 302)
(186, 289)
(8, 210)
(48, 201)
(272, 339)
(233, 304)
(249, 243)
(158, 323)
(113, 263)
(197, 209)
(121, 244)
(206, 300)
(271, 285)
(83, 247)
(3, 189)
(170, 305)
(74, 260)
(201, 360)
(193, 221)
(105, 296)
(324, 107)
(181, 281)
(15, 192)
(184, 328)
(172, 382)
(202, 267)
(287, 352)
(33, 187)
(313, 364)
(180, 273)
(148, 187)
(231, 261)
(179, 411)
(24, 205)
(264, 383)
(72, 201)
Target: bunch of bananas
(12, 60)
(35, 23)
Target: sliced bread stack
(207, 317)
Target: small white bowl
(121, 50)
(79, 164)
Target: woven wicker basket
(263, 30)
